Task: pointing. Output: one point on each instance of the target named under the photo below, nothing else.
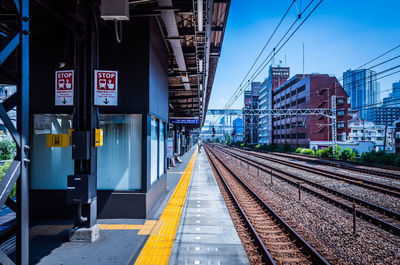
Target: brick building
(309, 92)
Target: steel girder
(277, 112)
(17, 173)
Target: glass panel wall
(50, 165)
(162, 147)
(154, 151)
(119, 163)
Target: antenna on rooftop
(303, 59)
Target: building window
(340, 125)
(340, 101)
(301, 100)
(301, 136)
(340, 113)
(301, 89)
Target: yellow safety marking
(158, 247)
(119, 227)
(156, 228)
(147, 227)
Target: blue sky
(339, 35)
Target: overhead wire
(265, 63)
(274, 51)
(260, 53)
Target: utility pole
(384, 137)
(333, 122)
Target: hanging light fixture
(200, 15)
(200, 65)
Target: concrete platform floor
(206, 234)
(49, 240)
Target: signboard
(176, 120)
(170, 147)
(57, 140)
(105, 88)
(64, 86)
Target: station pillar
(85, 120)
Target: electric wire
(274, 51)
(259, 55)
(263, 65)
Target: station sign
(186, 120)
(170, 147)
(105, 88)
(64, 85)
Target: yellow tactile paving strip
(150, 227)
(120, 227)
(158, 247)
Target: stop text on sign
(64, 88)
(106, 88)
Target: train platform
(190, 225)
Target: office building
(384, 115)
(309, 92)
(238, 129)
(251, 121)
(393, 100)
(362, 88)
(276, 76)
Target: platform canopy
(193, 33)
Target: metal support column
(85, 113)
(17, 44)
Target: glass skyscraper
(393, 100)
(362, 88)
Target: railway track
(337, 164)
(382, 188)
(277, 242)
(386, 219)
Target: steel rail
(385, 189)
(368, 217)
(314, 255)
(340, 165)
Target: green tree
(347, 154)
(7, 149)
